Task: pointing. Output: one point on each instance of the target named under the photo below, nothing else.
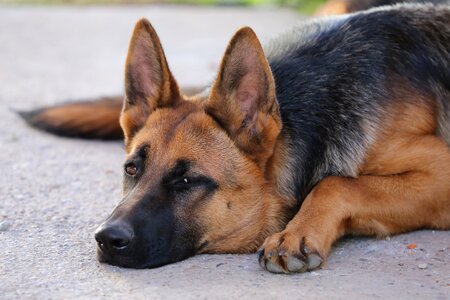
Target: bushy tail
(95, 119)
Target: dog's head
(195, 177)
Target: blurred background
(75, 49)
(303, 6)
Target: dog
(340, 126)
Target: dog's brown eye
(131, 169)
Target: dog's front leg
(416, 195)
(308, 237)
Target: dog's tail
(94, 119)
(98, 119)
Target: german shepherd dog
(340, 126)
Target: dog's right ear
(243, 99)
(149, 84)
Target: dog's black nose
(113, 237)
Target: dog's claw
(261, 258)
(274, 268)
(294, 264)
(314, 261)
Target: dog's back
(336, 78)
(334, 7)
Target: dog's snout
(113, 237)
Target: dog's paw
(287, 252)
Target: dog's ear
(243, 97)
(149, 84)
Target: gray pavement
(55, 191)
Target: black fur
(159, 237)
(334, 78)
(357, 5)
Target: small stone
(363, 259)
(422, 266)
(5, 225)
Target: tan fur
(252, 102)
(78, 119)
(146, 71)
(246, 208)
(233, 137)
(93, 118)
(403, 185)
(242, 213)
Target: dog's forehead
(161, 125)
(185, 132)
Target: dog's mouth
(131, 260)
(126, 261)
(119, 260)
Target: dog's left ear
(243, 97)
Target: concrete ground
(55, 191)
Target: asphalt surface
(55, 191)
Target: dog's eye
(185, 184)
(131, 169)
(182, 184)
